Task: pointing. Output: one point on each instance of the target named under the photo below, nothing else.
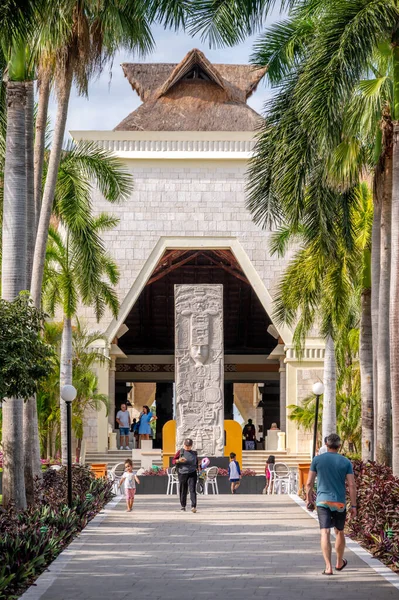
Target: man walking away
(332, 470)
(186, 461)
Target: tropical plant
(344, 56)
(377, 524)
(32, 539)
(78, 268)
(85, 357)
(354, 130)
(25, 359)
(68, 280)
(48, 395)
(96, 31)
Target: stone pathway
(234, 548)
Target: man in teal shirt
(333, 471)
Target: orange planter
(303, 471)
(99, 469)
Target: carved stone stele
(199, 367)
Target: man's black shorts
(331, 518)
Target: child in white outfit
(129, 478)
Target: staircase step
(113, 457)
(256, 459)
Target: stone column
(283, 396)
(200, 367)
(111, 392)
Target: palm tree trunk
(366, 376)
(329, 422)
(40, 136)
(384, 441)
(65, 379)
(48, 443)
(394, 307)
(49, 188)
(13, 279)
(375, 289)
(31, 431)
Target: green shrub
(377, 524)
(31, 539)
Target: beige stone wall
(142, 394)
(183, 198)
(243, 399)
(90, 431)
(305, 380)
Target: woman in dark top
(186, 461)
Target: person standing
(186, 461)
(333, 471)
(146, 417)
(234, 473)
(323, 448)
(123, 420)
(249, 433)
(134, 428)
(268, 473)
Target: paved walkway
(234, 548)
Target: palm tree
(97, 31)
(13, 272)
(85, 358)
(78, 267)
(314, 52)
(66, 285)
(349, 36)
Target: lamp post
(318, 390)
(68, 394)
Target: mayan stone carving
(199, 367)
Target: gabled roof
(174, 99)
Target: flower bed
(376, 527)
(244, 473)
(31, 539)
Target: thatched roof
(193, 95)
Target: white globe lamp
(68, 393)
(318, 388)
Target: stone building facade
(185, 220)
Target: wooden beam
(173, 267)
(229, 270)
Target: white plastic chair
(115, 475)
(270, 484)
(173, 480)
(282, 479)
(115, 485)
(211, 480)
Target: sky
(111, 98)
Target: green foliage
(377, 524)
(230, 21)
(84, 360)
(25, 359)
(31, 539)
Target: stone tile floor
(234, 548)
